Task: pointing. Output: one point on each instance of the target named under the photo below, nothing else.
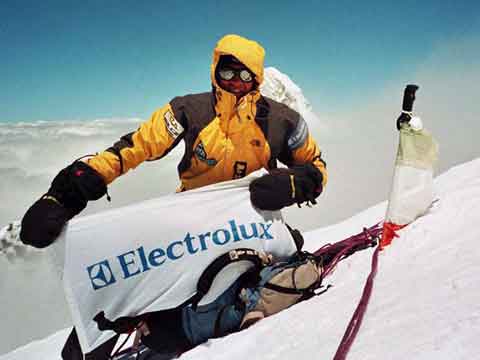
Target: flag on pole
(412, 187)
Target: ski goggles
(229, 73)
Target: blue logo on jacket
(140, 260)
(202, 155)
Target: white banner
(149, 256)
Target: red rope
(342, 248)
(357, 317)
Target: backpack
(270, 286)
(280, 286)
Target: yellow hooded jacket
(224, 138)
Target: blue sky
(64, 60)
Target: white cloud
(32, 154)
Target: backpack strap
(258, 259)
(297, 238)
(285, 290)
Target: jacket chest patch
(240, 169)
(201, 154)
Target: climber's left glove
(285, 187)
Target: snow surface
(425, 303)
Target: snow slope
(425, 303)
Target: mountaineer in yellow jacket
(228, 133)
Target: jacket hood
(249, 52)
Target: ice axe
(407, 105)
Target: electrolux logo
(140, 260)
(101, 275)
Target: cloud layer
(32, 153)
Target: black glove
(43, 222)
(284, 187)
(77, 184)
(68, 195)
